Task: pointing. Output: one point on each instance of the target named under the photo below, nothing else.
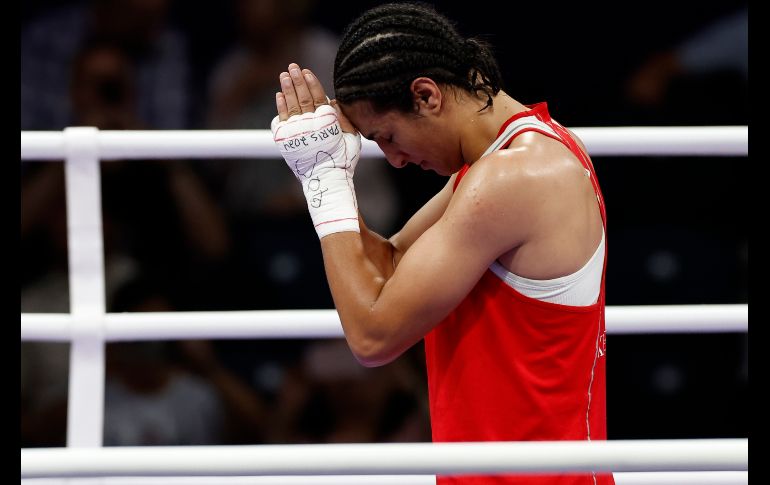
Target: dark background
(677, 226)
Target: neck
(480, 128)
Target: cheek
(429, 148)
(417, 144)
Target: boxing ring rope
(88, 327)
(290, 324)
(622, 478)
(392, 458)
(600, 141)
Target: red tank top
(506, 367)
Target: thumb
(345, 123)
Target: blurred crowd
(194, 235)
(199, 235)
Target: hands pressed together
(321, 147)
(301, 92)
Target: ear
(427, 96)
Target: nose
(395, 157)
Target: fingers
(301, 92)
(304, 99)
(316, 88)
(280, 103)
(289, 95)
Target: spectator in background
(269, 32)
(158, 212)
(157, 217)
(50, 43)
(328, 397)
(722, 46)
(275, 263)
(102, 96)
(173, 393)
(103, 87)
(266, 207)
(149, 401)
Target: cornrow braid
(390, 45)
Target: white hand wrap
(323, 159)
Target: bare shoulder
(577, 139)
(534, 166)
(521, 187)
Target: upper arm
(482, 221)
(385, 254)
(577, 140)
(423, 219)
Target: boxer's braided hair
(387, 47)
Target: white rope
(265, 324)
(666, 140)
(269, 480)
(600, 141)
(391, 458)
(628, 319)
(627, 478)
(681, 478)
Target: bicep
(386, 253)
(441, 267)
(436, 273)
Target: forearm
(380, 251)
(322, 149)
(356, 283)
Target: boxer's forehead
(371, 123)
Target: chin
(441, 170)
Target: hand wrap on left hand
(323, 158)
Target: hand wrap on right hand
(323, 158)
